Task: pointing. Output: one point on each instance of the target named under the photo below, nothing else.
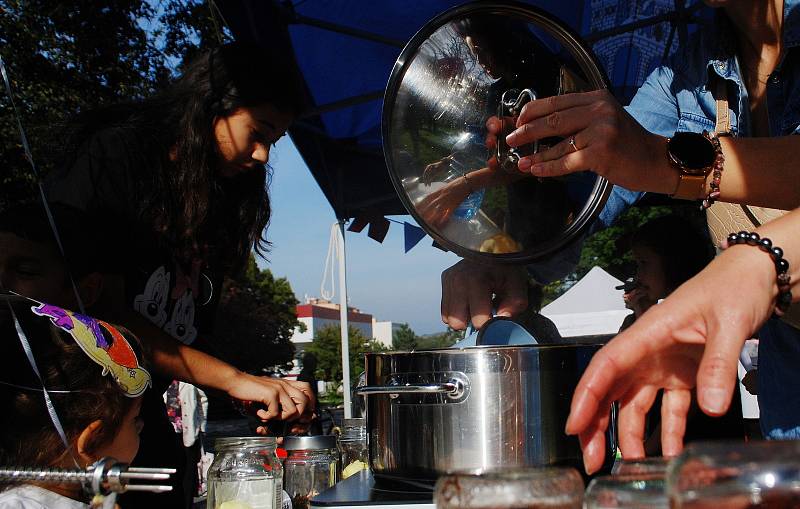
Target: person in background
(667, 251)
(308, 374)
(690, 340)
(31, 263)
(177, 186)
(187, 408)
(540, 327)
(97, 405)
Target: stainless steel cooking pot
(437, 411)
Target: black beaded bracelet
(784, 299)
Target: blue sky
(382, 279)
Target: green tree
(442, 340)
(404, 338)
(327, 347)
(255, 320)
(65, 57)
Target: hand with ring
(599, 136)
(572, 143)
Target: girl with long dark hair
(178, 185)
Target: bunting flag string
(379, 227)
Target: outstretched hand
(692, 339)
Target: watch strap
(690, 187)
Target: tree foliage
(441, 340)
(327, 347)
(65, 57)
(255, 320)
(406, 339)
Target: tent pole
(343, 322)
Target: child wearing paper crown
(93, 375)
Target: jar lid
(356, 422)
(227, 442)
(311, 443)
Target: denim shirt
(678, 97)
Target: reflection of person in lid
(518, 61)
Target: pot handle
(453, 388)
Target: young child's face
(34, 270)
(125, 444)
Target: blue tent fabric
(346, 50)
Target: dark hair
(30, 222)
(27, 435)
(684, 251)
(170, 138)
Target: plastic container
(246, 473)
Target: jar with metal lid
(311, 466)
(245, 474)
(353, 443)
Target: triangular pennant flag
(378, 228)
(413, 234)
(358, 223)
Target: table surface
(359, 491)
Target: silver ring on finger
(572, 142)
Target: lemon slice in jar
(352, 468)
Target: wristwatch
(693, 155)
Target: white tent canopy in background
(591, 307)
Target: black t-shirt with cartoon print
(102, 182)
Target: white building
(383, 332)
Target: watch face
(692, 151)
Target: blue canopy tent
(346, 49)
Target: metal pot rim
(486, 348)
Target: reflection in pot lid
(463, 67)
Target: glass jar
(311, 466)
(736, 475)
(513, 488)
(629, 491)
(653, 465)
(245, 474)
(353, 444)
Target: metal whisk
(103, 477)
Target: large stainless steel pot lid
(461, 68)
